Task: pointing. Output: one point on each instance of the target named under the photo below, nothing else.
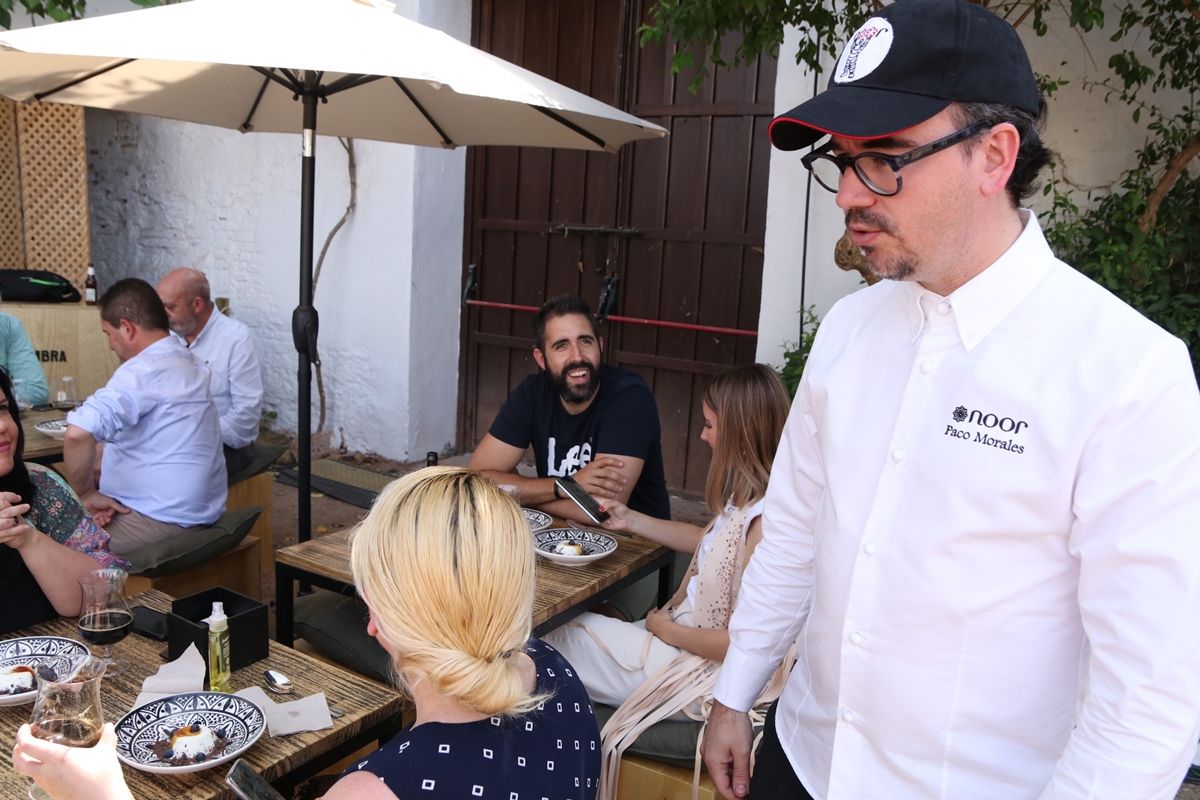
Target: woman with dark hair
(48, 539)
(666, 666)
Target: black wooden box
(248, 636)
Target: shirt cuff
(87, 418)
(741, 680)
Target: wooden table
(562, 592)
(372, 711)
(38, 446)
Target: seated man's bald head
(188, 299)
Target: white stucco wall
(1095, 139)
(166, 194)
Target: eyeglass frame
(895, 162)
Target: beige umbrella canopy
(335, 67)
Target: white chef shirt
(226, 347)
(982, 525)
(162, 453)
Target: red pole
(658, 323)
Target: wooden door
(686, 218)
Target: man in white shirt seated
(981, 524)
(226, 346)
(163, 468)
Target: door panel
(698, 200)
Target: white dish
(54, 428)
(229, 716)
(538, 520)
(595, 545)
(30, 651)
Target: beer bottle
(89, 286)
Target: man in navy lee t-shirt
(582, 418)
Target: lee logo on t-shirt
(576, 459)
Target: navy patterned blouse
(551, 753)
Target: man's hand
(727, 751)
(13, 530)
(72, 773)
(602, 477)
(102, 507)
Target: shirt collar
(981, 303)
(212, 319)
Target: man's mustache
(869, 219)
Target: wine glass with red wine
(67, 710)
(104, 617)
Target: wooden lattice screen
(12, 247)
(43, 191)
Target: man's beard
(902, 267)
(184, 328)
(576, 394)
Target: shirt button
(926, 367)
(943, 308)
(857, 638)
(871, 548)
(898, 454)
(847, 715)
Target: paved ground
(329, 514)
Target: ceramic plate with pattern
(30, 651)
(54, 428)
(153, 736)
(573, 545)
(538, 520)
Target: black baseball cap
(907, 63)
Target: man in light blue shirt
(18, 359)
(226, 347)
(163, 468)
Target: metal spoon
(279, 683)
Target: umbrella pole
(304, 319)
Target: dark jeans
(773, 777)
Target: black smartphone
(582, 499)
(248, 784)
(149, 623)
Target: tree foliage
(56, 10)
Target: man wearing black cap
(981, 524)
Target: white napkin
(184, 674)
(306, 714)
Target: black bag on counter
(36, 286)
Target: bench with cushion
(222, 554)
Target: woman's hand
(619, 515)
(72, 773)
(659, 623)
(14, 531)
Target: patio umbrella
(266, 65)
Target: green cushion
(181, 553)
(672, 741)
(336, 626)
(264, 456)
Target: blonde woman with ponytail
(445, 563)
(666, 666)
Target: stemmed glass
(67, 710)
(104, 617)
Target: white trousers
(610, 677)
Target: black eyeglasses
(879, 172)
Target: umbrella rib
(288, 82)
(94, 74)
(591, 137)
(247, 125)
(446, 141)
(349, 82)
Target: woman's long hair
(751, 406)
(445, 562)
(17, 481)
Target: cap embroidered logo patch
(865, 51)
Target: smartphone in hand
(248, 784)
(568, 486)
